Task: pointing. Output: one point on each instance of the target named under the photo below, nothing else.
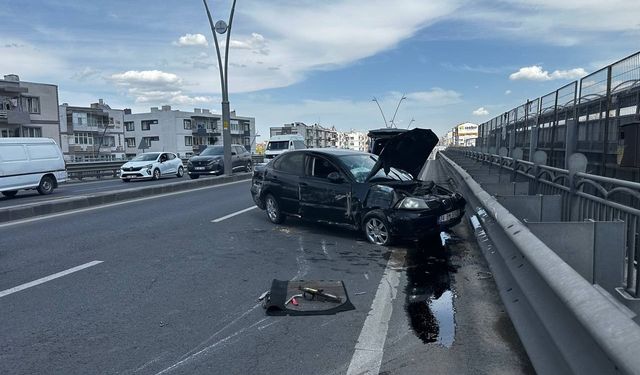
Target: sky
(318, 61)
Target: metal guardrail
(566, 324)
(584, 196)
(101, 169)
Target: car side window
(320, 167)
(171, 156)
(290, 163)
(163, 157)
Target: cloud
(156, 87)
(435, 97)
(256, 43)
(536, 73)
(191, 40)
(480, 112)
(84, 74)
(146, 77)
(507, 92)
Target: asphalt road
(175, 293)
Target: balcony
(14, 117)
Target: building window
(31, 132)
(146, 124)
(31, 104)
(129, 126)
(131, 142)
(83, 138)
(188, 140)
(111, 120)
(187, 125)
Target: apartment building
(185, 133)
(353, 140)
(315, 136)
(28, 109)
(94, 133)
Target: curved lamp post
(382, 113)
(221, 27)
(396, 112)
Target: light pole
(396, 112)
(221, 27)
(411, 122)
(382, 113)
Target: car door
(165, 166)
(320, 198)
(282, 180)
(174, 162)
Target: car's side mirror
(334, 177)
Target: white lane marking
(17, 222)
(48, 278)
(367, 357)
(233, 214)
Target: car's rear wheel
(376, 229)
(273, 209)
(194, 176)
(46, 186)
(180, 171)
(156, 174)
(10, 193)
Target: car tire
(194, 176)
(46, 186)
(247, 167)
(376, 229)
(156, 174)
(272, 207)
(126, 180)
(10, 193)
(180, 172)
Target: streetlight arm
(382, 113)
(396, 112)
(226, 53)
(223, 82)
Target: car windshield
(278, 145)
(360, 166)
(145, 157)
(215, 150)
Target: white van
(281, 143)
(30, 163)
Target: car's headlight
(149, 166)
(410, 203)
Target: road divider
(52, 206)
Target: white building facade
(185, 133)
(94, 133)
(353, 140)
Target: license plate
(449, 216)
(199, 168)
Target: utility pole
(221, 27)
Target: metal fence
(584, 196)
(585, 116)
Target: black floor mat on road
(281, 291)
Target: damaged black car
(380, 195)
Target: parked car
(30, 163)
(211, 161)
(152, 165)
(380, 195)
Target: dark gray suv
(211, 161)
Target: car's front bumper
(143, 173)
(206, 170)
(419, 224)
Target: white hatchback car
(152, 165)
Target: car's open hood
(407, 151)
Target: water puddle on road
(429, 298)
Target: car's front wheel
(180, 171)
(194, 176)
(376, 229)
(156, 174)
(273, 209)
